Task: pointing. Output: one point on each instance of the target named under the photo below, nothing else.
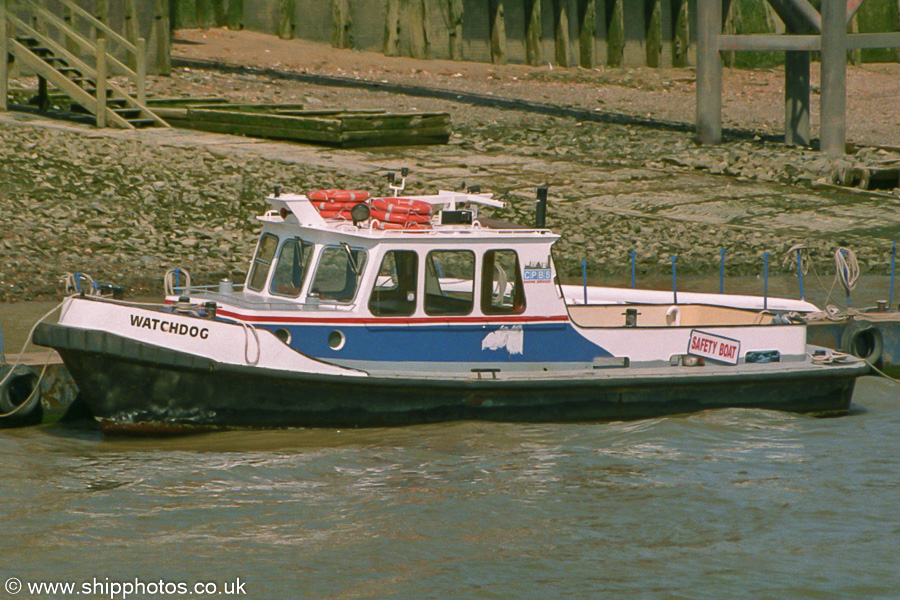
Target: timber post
(457, 10)
(533, 32)
(654, 35)
(833, 118)
(709, 72)
(615, 35)
(587, 27)
(392, 29)
(561, 28)
(131, 29)
(286, 19)
(681, 41)
(341, 18)
(141, 70)
(101, 82)
(4, 53)
(796, 97)
(235, 18)
(101, 13)
(206, 18)
(161, 24)
(498, 32)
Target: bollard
(674, 280)
(765, 280)
(800, 271)
(633, 255)
(584, 278)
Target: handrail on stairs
(138, 50)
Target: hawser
(363, 311)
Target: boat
(398, 309)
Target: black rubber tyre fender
(20, 393)
(863, 339)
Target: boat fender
(863, 340)
(20, 393)
(673, 316)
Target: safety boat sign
(714, 347)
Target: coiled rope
(169, 281)
(248, 329)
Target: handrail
(96, 23)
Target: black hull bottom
(138, 396)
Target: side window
(265, 252)
(502, 292)
(394, 293)
(337, 275)
(290, 270)
(450, 282)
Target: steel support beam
(833, 121)
(709, 72)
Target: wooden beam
(131, 30)
(654, 36)
(206, 17)
(163, 35)
(100, 82)
(534, 32)
(101, 13)
(681, 40)
(796, 98)
(809, 43)
(497, 20)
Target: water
(722, 504)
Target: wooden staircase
(83, 77)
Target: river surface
(720, 504)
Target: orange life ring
(342, 196)
(336, 214)
(331, 205)
(400, 218)
(404, 206)
(407, 226)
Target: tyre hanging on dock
(20, 396)
(863, 339)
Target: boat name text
(169, 327)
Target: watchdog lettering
(169, 327)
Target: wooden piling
(455, 28)
(69, 19)
(533, 32)
(681, 40)
(392, 28)
(615, 35)
(206, 17)
(141, 70)
(101, 13)
(419, 43)
(654, 45)
(235, 18)
(286, 19)
(131, 30)
(162, 34)
(833, 106)
(342, 22)
(101, 82)
(561, 31)
(796, 97)
(709, 72)
(587, 27)
(4, 54)
(498, 32)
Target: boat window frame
(342, 248)
(473, 303)
(277, 261)
(254, 264)
(415, 287)
(487, 284)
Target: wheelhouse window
(291, 267)
(502, 292)
(259, 270)
(337, 276)
(394, 293)
(450, 282)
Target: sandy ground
(752, 100)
